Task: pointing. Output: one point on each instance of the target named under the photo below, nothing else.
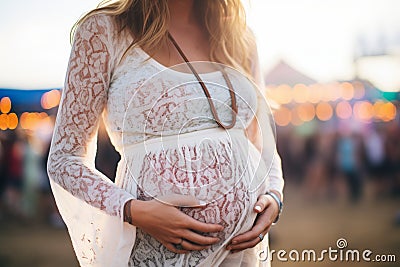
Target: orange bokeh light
(3, 121)
(12, 121)
(300, 93)
(29, 121)
(359, 90)
(50, 99)
(389, 111)
(384, 111)
(343, 110)
(378, 109)
(363, 110)
(296, 121)
(315, 93)
(324, 111)
(347, 91)
(283, 94)
(306, 112)
(5, 105)
(282, 116)
(330, 92)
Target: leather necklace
(207, 93)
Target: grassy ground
(305, 224)
(318, 224)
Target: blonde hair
(231, 42)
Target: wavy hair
(231, 42)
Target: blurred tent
(283, 73)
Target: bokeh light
(343, 110)
(347, 91)
(359, 90)
(306, 112)
(12, 121)
(3, 121)
(283, 116)
(5, 105)
(324, 111)
(363, 111)
(315, 92)
(296, 120)
(300, 93)
(387, 111)
(284, 94)
(30, 120)
(50, 99)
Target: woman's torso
(161, 123)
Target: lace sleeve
(261, 132)
(71, 158)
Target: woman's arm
(84, 96)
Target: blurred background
(332, 74)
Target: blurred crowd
(25, 191)
(345, 162)
(24, 186)
(325, 164)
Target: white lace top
(132, 94)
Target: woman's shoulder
(98, 23)
(106, 29)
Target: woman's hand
(267, 210)
(174, 229)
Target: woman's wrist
(128, 212)
(137, 211)
(276, 196)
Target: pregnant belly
(232, 210)
(209, 171)
(216, 175)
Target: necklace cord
(207, 93)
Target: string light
(343, 110)
(347, 91)
(306, 112)
(324, 111)
(283, 116)
(363, 111)
(300, 93)
(50, 99)
(5, 105)
(12, 121)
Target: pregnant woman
(199, 182)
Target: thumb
(261, 204)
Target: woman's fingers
(192, 241)
(200, 239)
(172, 247)
(190, 246)
(198, 226)
(261, 203)
(184, 246)
(267, 210)
(261, 225)
(247, 244)
(156, 220)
